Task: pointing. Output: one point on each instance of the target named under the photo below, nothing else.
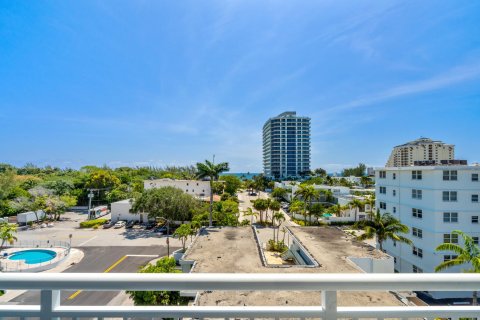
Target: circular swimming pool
(33, 256)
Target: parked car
(253, 194)
(162, 229)
(130, 224)
(119, 224)
(150, 225)
(108, 225)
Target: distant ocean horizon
(242, 175)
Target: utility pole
(90, 197)
(213, 159)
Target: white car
(119, 224)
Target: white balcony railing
(51, 284)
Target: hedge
(92, 223)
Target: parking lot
(137, 236)
(105, 250)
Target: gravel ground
(233, 250)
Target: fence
(62, 251)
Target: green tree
(275, 207)
(383, 227)
(308, 193)
(162, 298)
(232, 184)
(168, 202)
(358, 171)
(278, 218)
(469, 255)
(357, 205)
(211, 171)
(102, 179)
(316, 210)
(7, 183)
(320, 172)
(279, 194)
(298, 207)
(7, 233)
(183, 232)
(261, 205)
(55, 205)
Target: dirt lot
(233, 250)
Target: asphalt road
(100, 259)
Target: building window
(474, 197)
(394, 259)
(394, 192)
(449, 257)
(417, 213)
(450, 238)
(416, 175)
(394, 209)
(449, 196)
(383, 190)
(450, 175)
(474, 219)
(187, 183)
(394, 176)
(416, 269)
(475, 240)
(416, 194)
(417, 232)
(417, 252)
(450, 217)
(383, 205)
(475, 177)
(382, 174)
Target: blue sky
(173, 82)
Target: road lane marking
(85, 242)
(143, 255)
(106, 271)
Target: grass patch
(93, 223)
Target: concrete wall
(370, 265)
(121, 211)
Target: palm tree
(468, 254)
(275, 207)
(383, 227)
(308, 193)
(250, 213)
(279, 217)
(212, 171)
(7, 232)
(298, 207)
(260, 205)
(356, 204)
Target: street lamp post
(70, 246)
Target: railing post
(329, 303)
(49, 300)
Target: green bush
(276, 246)
(92, 223)
(342, 223)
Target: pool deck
(20, 265)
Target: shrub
(92, 223)
(276, 246)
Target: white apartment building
(196, 188)
(423, 149)
(432, 201)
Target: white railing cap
(241, 281)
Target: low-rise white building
(120, 210)
(196, 188)
(432, 201)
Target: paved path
(101, 259)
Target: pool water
(33, 256)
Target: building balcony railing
(50, 286)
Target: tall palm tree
(250, 213)
(260, 205)
(468, 254)
(356, 204)
(7, 232)
(275, 207)
(212, 171)
(383, 227)
(279, 217)
(308, 193)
